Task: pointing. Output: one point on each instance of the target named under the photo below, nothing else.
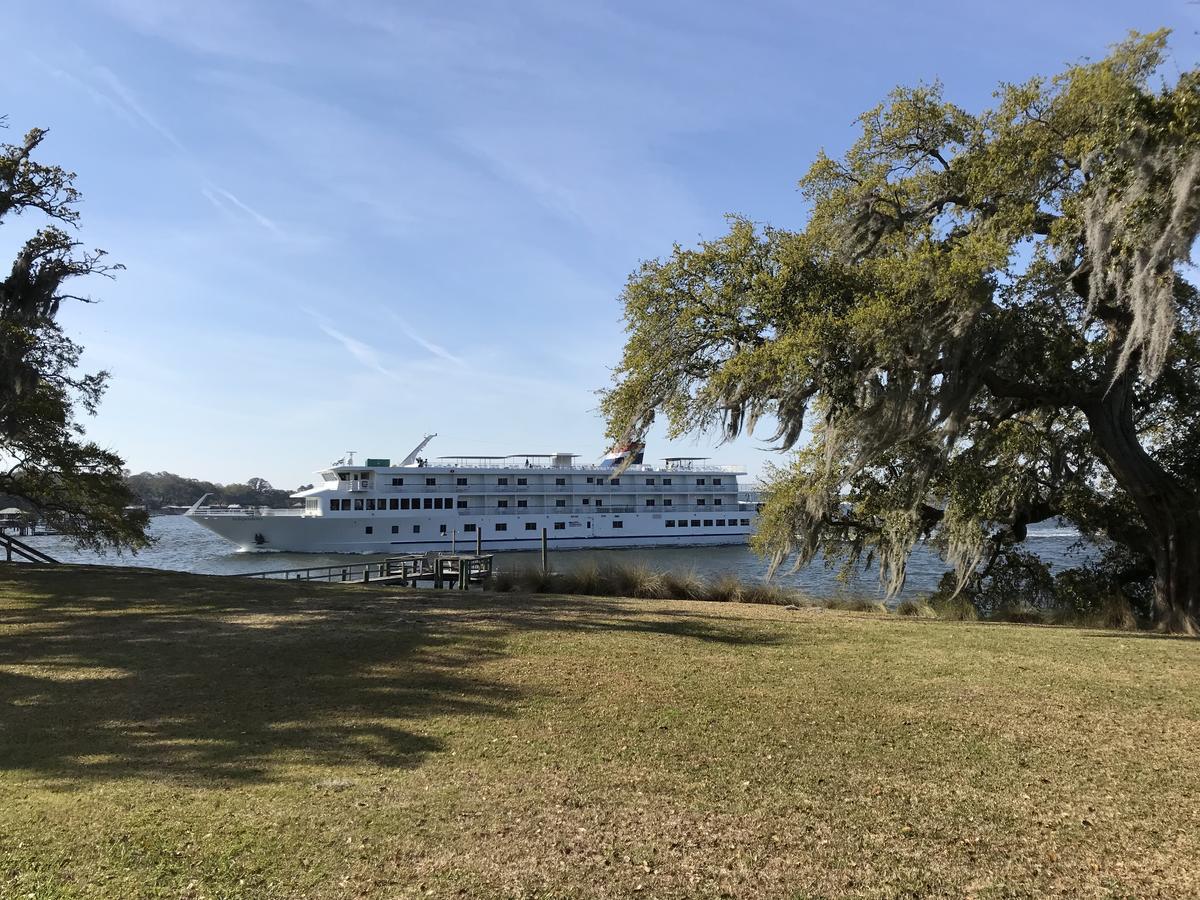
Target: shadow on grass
(115, 673)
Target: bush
(919, 608)
(953, 607)
(854, 604)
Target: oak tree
(984, 324)
(46, 460)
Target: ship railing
(582, 467)
(589, 510)
(252, 511)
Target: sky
(347, 223)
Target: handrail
(31, 554)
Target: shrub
(919, 608)
(854, 604)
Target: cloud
(435, 349)
(363, 352)
(218, 197)
(121, 91)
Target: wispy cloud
(122, 92)
(361, 351)
(219, 197)
(436, 349)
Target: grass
(180, 736)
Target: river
(182, 545)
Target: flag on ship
(627, 454)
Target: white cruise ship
(499, 502)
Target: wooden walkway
(437, 569)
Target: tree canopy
(45, 458)
(982, 326)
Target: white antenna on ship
(349, 457)
(412, 457)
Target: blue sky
(346, 222)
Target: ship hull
(418, 534)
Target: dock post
(366, 573)
(464, 574)
(453, 538)
(479, 540)
(545, 563)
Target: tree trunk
(1170, 511)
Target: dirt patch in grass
(185, 736)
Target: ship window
(449, 503)
(343, 476)
(670, 523)
(561, 482)
(397, 481)
(430, 482)
(716, 481)
(501, 481)
(666, 481)
(699, 501)
(502, 504)
(745, 521)
(717, 501)
(370, 504)
(617, 523)
(560, 502)
(462, 504)
(591, 480)
(531, 526)
(720, 523)
(461, 482)
(404, 503)
(502, 526)
(441, 529)
(667, 501)
(649, 502)
(395, 529)
(416, 529)
(650, 481)
(522, 481)
(599, 502)
(522, 503)
(370, 530)
(428, 503)
(335, 504)
(560, 526)
(614, 481)
(708, 523)
(695, 523)
(586, 501)
(470, 526)
(699, 481)
(437, 502)
(358, 504)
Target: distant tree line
(156, 490)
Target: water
(182, 545)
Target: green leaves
(966, 291)
(75, 485)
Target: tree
(45, 459)
(982, 326)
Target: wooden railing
(439, 568)
(14, 547)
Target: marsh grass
(646, 583)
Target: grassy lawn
(180, 736)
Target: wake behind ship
(501, 502)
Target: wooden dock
(453, 570)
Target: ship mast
(412, 457)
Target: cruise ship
(498, 503)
